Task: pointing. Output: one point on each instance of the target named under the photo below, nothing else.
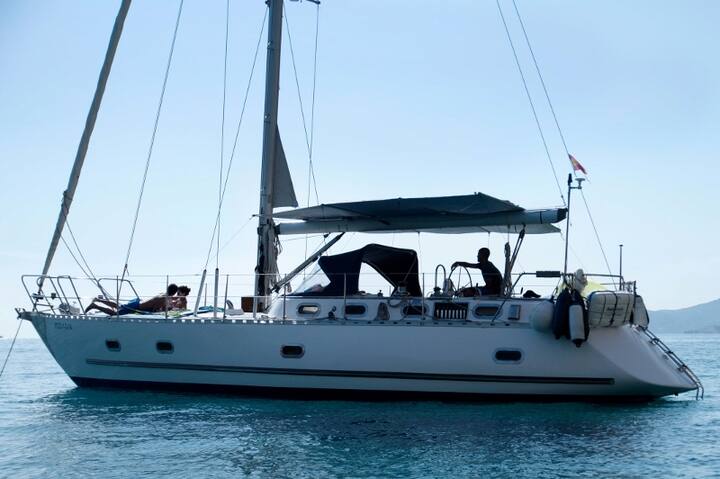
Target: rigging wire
(222, 131)
(235, 142)
(309, 138)
(314, 87)
(82, 256)
(532, 104)
(237, 232)
(309, 237)
(572, 250)
(542, 81)
(152, 139)
(62, 238)
(308, 143)
(311, 167)
(597, 235)
(87, 271)
(559, 129)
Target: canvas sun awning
(445, 214)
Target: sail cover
(446, 214)
(397, 265)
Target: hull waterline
(356, 360)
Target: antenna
(567, 226)
(621, 264)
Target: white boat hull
(416, 359)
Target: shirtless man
(161, 302)
(491, 275)
(180, 301)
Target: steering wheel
(469, 283)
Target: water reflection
(116, 433)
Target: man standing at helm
(491, 275)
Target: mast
(69, 192)
(267, 254)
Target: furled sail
(69, 192)
(447, 214)
(283, 191)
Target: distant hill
(701, 318)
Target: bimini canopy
(445, 214)
(398, 266)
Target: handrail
(40, 295)
(124, 280)
(72, 284)
(435, 287)
(81, 289)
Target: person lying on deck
(158, 303)
(491, 275)
(179, 302)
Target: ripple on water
(49, 428)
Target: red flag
(576, 165)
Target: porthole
(165, 347)
(309, 309)
(355, 310)
(292, 351)
(112, 344)
(485, 311)
(508, 355)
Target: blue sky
(414, 98)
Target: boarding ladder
(682, 367)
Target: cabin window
(485, 311)
(165, 347)
(292, 351)
(508, 355)
(112, 344)
(355, 310)
(413, 310)
(309, 309)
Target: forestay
(445, 214)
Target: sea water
(50, 428)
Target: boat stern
(648, 366)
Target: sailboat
(328, 337)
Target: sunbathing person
(179, 302)
(161, 302)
